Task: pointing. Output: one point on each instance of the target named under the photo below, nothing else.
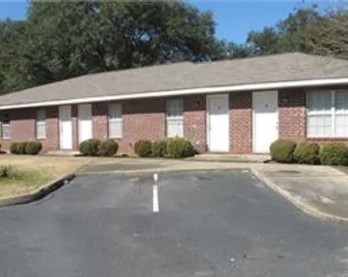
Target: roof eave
(181, 92)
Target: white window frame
(6, 125)
(115, 120)
(40, 123)
(332, 112)
(177, 120)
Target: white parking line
(155, 205)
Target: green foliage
(282, 150)
(143, 148)
(14, 148)
(33, 147)
(229, 50)
(26, 147)
(64, 39)
(89, 147)
(334, 153)
(307, 153)
(288, 35)
(7, 171)
(159, 148)
(108, 148)
(21, 147)
(180, 148)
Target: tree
(10, 32)
(229, 50)
(65, 39)
(291, 34)
(329, 36)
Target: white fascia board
(205, 90)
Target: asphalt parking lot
(209, 224)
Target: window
(6, 125)
(40, 124)
(175, 118)
(115, 120)
(327, 114)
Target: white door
(265, 120)
(65, 127)
(218, 123)
(85, 122)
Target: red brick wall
(146, 119)
(292, 113)
(142, 119)
(22, 127)
(195, 121)
(241, 122)
(100, 120)
(52, 129)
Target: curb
(38, 194)
(296, 201)
(162, 170)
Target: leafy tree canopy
(64, 39)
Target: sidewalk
(317, 190)
(321, 191)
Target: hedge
(108, 148)
(334, 153)
(282, 150)
(89, 147)
(143, 148)
(180, 148)
(159, 148)
(307, 153)
(26, 147)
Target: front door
(85, 122)
(265, 120)
(218, 123)
(65, 127)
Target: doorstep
(223, 157)
(63, 153)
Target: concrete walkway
(318, 190)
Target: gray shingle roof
(257, 70)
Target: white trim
(79, 127)
(332, 113)
(207, 121)
(253, 120)
(60, 128)
(117, 120)
(208, 100)
(204, 90)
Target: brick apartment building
(237, 106)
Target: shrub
(21, 147)
(33, 147)
(282, 150)
(307, 153)
(7, 171)
(334, 153)
(180, 148)
(14, 148)
(159, 148)
(143, 148)
(108, 148)
(89, 147)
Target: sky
(234, 19)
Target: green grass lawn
(32, 172)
